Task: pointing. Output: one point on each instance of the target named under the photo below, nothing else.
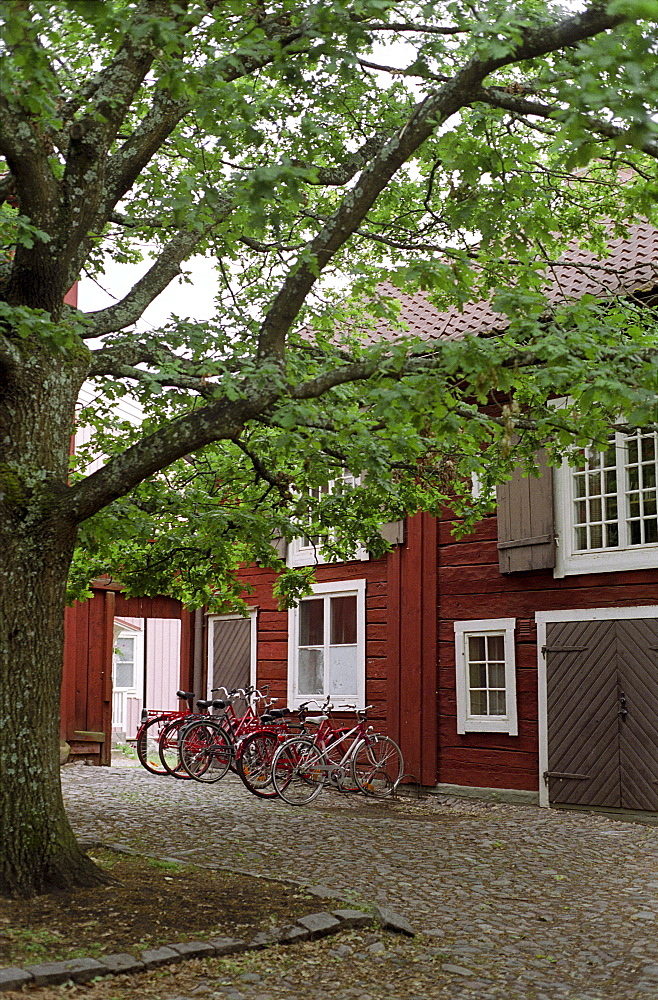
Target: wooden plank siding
(472, 587)
(272, 642)
(401, 636)
(86, 698)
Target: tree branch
(498, 97)
(427, 116)
(164, 270)
(217, 421)
(427, 29)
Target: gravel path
(513, 902)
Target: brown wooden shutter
(526, 533)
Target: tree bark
(38, 850)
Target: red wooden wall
(472, 587)
(272, 652)
(401, 616)
(86, 701)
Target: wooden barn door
(602, 681)
(230, 652)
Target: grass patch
(153, 903)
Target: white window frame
(123, 630)
(467, 723)
(570, 561)
(337, 588)
(301, 554)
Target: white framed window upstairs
(306, 551)
(326, 645)
(486, 676)
(607, 507)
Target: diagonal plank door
(231, 654)
(602, 680)
(583, 742)
(637, 657)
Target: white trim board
(578, 615)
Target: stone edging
(314, 925)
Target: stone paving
(511, 902)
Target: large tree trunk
(38, 850)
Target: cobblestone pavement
(513, 902)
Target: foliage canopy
(314, 150)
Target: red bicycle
(348, 759)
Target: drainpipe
(197, 659)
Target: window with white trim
(607, 506)
(486, 676)
(306, 551)
(326, 645)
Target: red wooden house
(523, 657)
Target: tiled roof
(631, 266)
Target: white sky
(195, 301)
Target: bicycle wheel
(298, 771)
(255, 763)
(204, 750)
(147, 745)
(377, 765)
(168, 748)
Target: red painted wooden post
(393, 565)
(429, 708)
(186, 634)
(106, 686)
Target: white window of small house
(607, 506)
(124, 661)
(486, 676)
(306, 551)
(326, 644)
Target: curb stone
(314, 925)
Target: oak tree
(313, 151)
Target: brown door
(602, 681)
(231, 653)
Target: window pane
(595, 510)
(648, 449)
(579, 485)
(342, 671)
(581, 538)
(497, 702)
(476, 648)
(477, 674)
(497, 675)
(496, 644)
(311, 671)
(651, 530)
(124, 675)
(343, 620)
(125, 648)
(311, 623)
(596, 537)
(478, 703)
